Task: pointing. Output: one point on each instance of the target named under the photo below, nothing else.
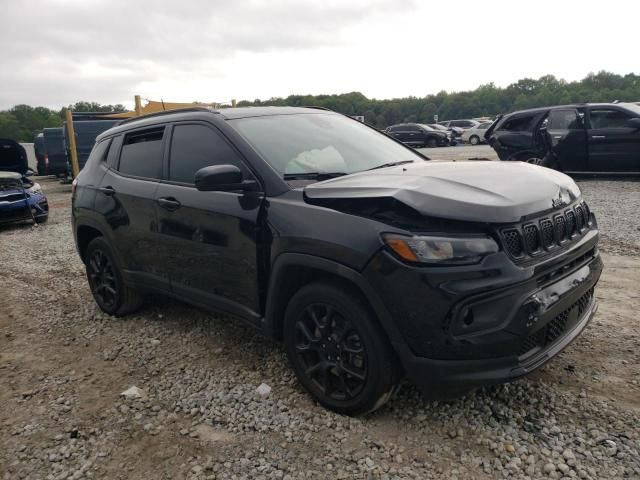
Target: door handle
(598, 137)
(557, 137)
(169, 203)
(108, 191)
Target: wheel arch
(84, 234)
(292, 271)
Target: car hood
(477, 191)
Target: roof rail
(317, 108)
(159, 114)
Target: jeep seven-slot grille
(557, 327)
(539, 236)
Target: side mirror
(634, 123)
(222, 178)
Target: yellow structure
(71, 134)
(154, 107)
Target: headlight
(441, 250)
(36, 189)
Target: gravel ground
(64, 364)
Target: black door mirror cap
(222, 178)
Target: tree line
(22, 121)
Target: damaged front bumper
(464, 327)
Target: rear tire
(338, 351)
(109, 290)
(432, 142)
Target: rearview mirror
(222, 178)
(634, 123)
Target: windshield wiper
(390, 164)
(313, 175)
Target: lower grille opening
(556, 328)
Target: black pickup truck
(600, 138)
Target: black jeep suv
(588, 137)
(368, 261)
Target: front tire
(474, 140)
(109, 290)
(337, 350)
(432, 142)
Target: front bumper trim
(443, 379)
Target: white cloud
(57, 52)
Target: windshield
(633, 107)
(319, 143)
(437, 127)
(427, 127)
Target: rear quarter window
(99, 151)
(141, 154)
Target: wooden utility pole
(72, 143)
(138, 105)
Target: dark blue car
(20, 197)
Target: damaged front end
(21, 199)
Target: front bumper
(16, 210)
(463, 327)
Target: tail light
(46, 159)
(74, 184)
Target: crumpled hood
(477, 191)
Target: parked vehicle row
(602, 137)
(52, 144)
(419, 135)
(370, 262)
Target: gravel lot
(63, 366)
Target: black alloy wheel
(110, 292)
(338, 350)
(331, 352)
(102, 280)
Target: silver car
(475, 135)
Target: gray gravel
(616, 204)
(64, 364)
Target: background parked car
(20, 198)
(475, 135)
(454, 131)
(56, 151)
(41, 154)
(464, 123)
(418, 135)
(603, 137)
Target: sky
(57, 52)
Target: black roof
(572, 105)
(225, 113)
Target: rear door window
(195, 146)
(563, 120)
(517, 124)
(142, 153)
(608, 118)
